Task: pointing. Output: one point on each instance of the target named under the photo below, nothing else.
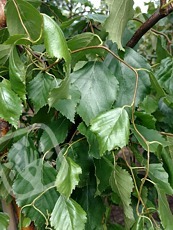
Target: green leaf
(26, 222)
(149, 104)
(98, 88)
(166, 112)
(103, 173)
(40, 87)
(83, 40)
(120, 12)
(3, 35)
(54, 40)
(157, 87)
(161, 50)
(5, 51)
(146, 119)
(59, 129)
(68, 176)
(22, 153)
(94, 150)
(89, 202)
(112, 63)
(168, 162)
(122, 184)
(165, 74)
(150, 135)
(53, 11)
(36, 181)
(61, 92)
(17, 74)
(68, 215)
(127, 79)
(67, 107)
(66, 23)
(35, 3)
(79, 154)
(97, 17)
(10, 104)
(164, 210)
(23, 18)
(112, 129)
(4, 221)
(160, 177)
(17, 39)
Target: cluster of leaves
(90, 120)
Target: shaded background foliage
(86, 128)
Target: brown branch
(156, 32)
(7, 208)
(147, 25)
(2, 14)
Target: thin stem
(146, 175)
(119, 59)
(33, 205)
(145, 217)
(71, 144)
(134, 180)
(166, 4)
(108, 50)
(52, 65)
(73, 135)
(167, 134)
(36, 56)
(133, 111)
(21, 19)
(155, 31)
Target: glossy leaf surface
(122, 184)
(17, 73)
(4, 220)
(10, 104)
(40, 87)
(54, 40)
(73, 216)
(68, 176)
(23, 18)
(112, 129)
(98, 88)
